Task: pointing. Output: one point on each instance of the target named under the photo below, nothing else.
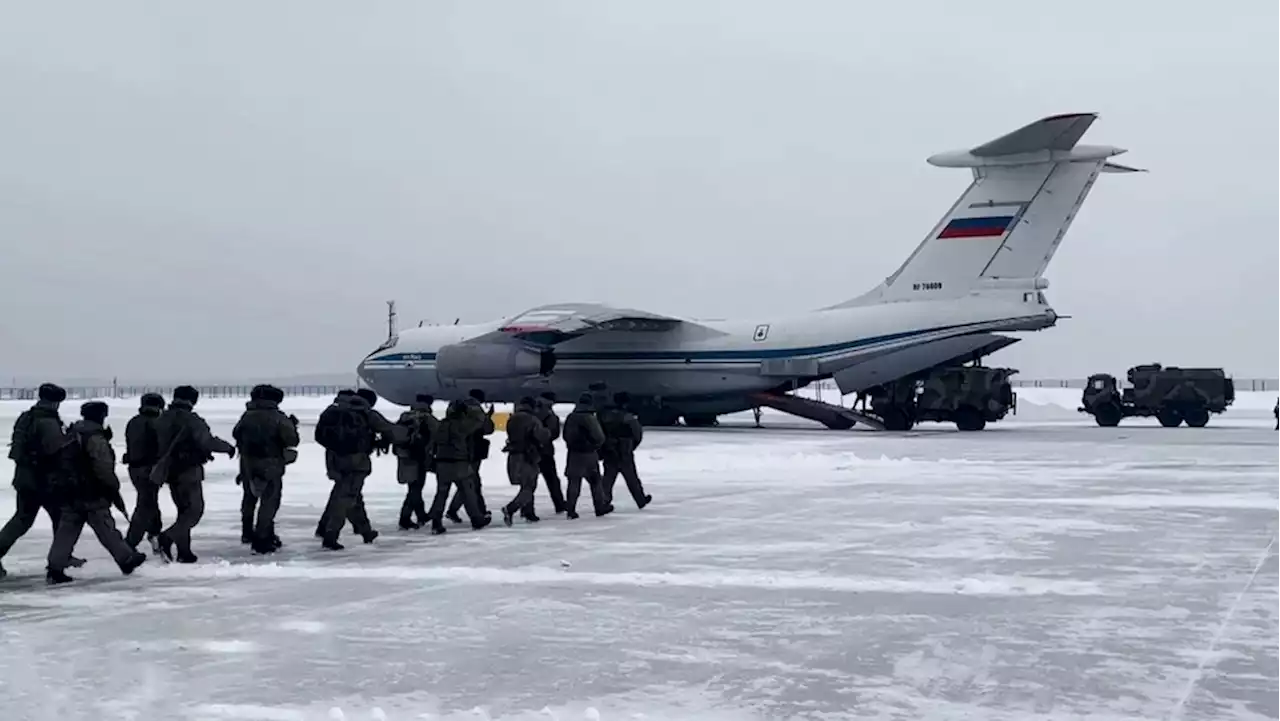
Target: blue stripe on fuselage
(745, 354)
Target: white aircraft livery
(977, 274)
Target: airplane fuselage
(708, 366)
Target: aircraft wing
(551, 324)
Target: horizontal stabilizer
(1056, 132)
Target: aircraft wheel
(1169, 417)
(1196, 417)
(701, 420)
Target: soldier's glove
(294, 420)
(232, 453)
(490, 411)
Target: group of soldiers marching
(70, 472)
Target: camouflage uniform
(188, 444)
(142, 450)
(584, 437)
(87, 499)
(414, 461)
(348, 471)
(546, 412)
(263, 435)
(31, 476)
(526, 437)
(482, 421)
(623, 434)
(451, 449)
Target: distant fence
(129, 391)
(318, 391)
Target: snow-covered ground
(1042, 569)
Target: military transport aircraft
(976, 275)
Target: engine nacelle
(488, 361)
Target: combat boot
(507, 515)
(132, 562)
(55, 578)
(368, 537)
(331, 544)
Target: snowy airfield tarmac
(1042, 569)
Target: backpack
(419, 436)
(23, 449)
(71, 470)
(147, 445)
(257, 436)
(345, 431)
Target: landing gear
(701, 420)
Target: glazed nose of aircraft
(367, 368)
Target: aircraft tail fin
(1028, 185)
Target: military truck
(1171, 394)
(969, 396)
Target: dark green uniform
(142, 450)
(546, 412)
(584, 437)
(348, 467)
(188, 444)
(478, 443)
(623, 434)
(451, 449)
(37, 436)
(526, 437)
(86, 498)
(263, 435)
(414, 462)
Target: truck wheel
(1196, 417)
(968, 418)
(1169, 417)
(1107, 415)
(896, 419)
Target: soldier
(248, 502)
(546, 412)
(584, 437)
(142, 450)
(86, 488)
(188, 444)
(623, 433)
(414, 460)
(451, 449)
(483, 423)
(263, 435)
(342, 397)
(526, 437)
(37, 437)
(350, 430)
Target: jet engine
(491, 361)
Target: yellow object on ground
(500, 420)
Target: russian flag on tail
(992, 226)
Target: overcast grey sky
(219, 190)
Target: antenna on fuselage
(391, 319)
(455, 320)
